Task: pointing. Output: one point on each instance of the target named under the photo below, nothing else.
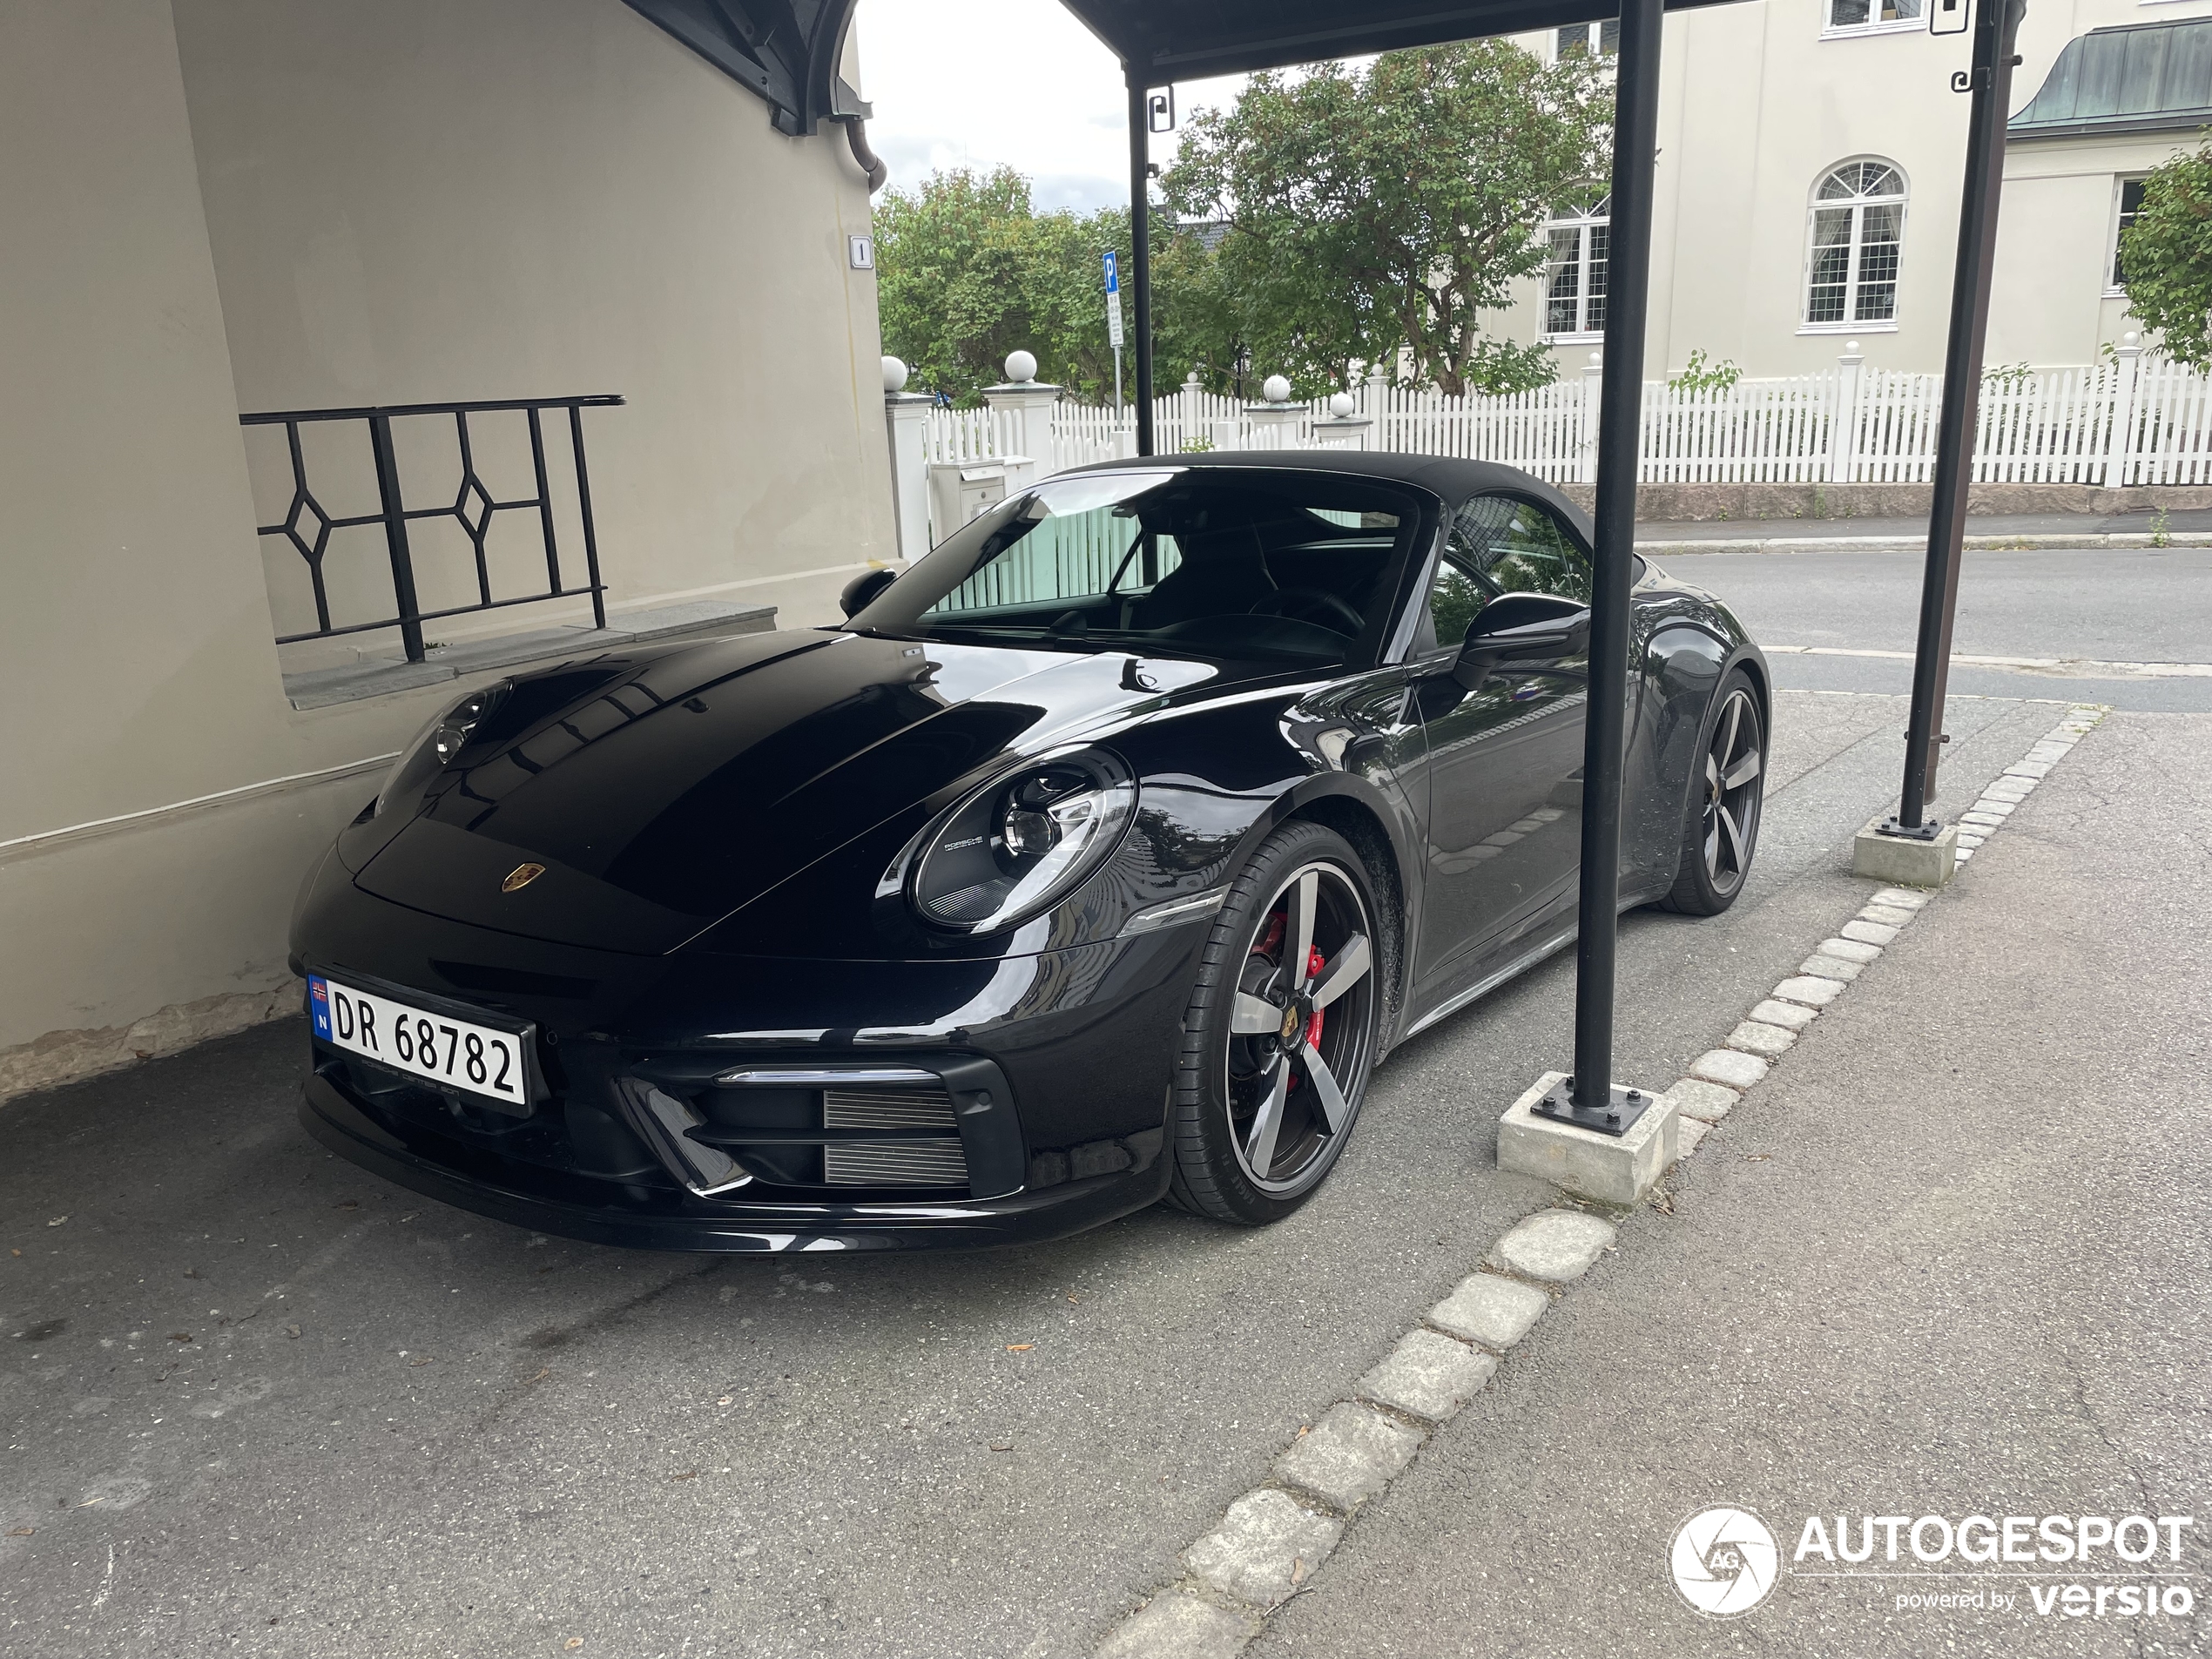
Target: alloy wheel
(1302, 1030)
(1734, 762)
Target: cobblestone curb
(1273, 1538)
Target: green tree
(968, 271)
(1371, 210)
(2166, 256)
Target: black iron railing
(308, 526)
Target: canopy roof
(2137, 77)
(1175, 40)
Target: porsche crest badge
(521, 876)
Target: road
(1952, 1259)
(257, 1401)
(2105, 605)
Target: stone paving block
(1692, 1133)
(1753, 1036)
(1902, 898)
(1555, 1245)
(1824, 967)
(2009, 788)
(1994, 807)
(1888, 915)
(1266, 1546)
(1427, 1376)
(1850, 950)
(1969, 842)
(1814, 993)
(1494, 1312)
(1694, 1097)
(2028, 769)
(1984, 820)
(1788, 1016)
(1729, 1066)
(1350, 1455)
(1177, 1625)
(1868, 933)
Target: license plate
(435, 1046)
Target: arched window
(1575, 249)
(1857, 235)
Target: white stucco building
(1810, 153)
(217, 209)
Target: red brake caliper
(1313, 966)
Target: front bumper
(1077, 1047)
(644, 1217)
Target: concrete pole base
(1613, 1168)
(1903, 862)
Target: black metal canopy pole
(1140, 246)
(1996, 25)
(1590, 1099)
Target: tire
(1720, 831)
(1274, 1062)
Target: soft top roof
(1448, 477)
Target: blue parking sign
(1113, 273)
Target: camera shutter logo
(1724, 1562)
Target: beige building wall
(1758, 102)
(256, 204)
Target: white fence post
(906, 419)
(1022, 407)
(1843, 424)
(1274, 424)
(1193, 411)
(1586, 438)
(2119, 441)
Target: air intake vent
(915, 1160)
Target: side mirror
(861, 592)
(1520, 629)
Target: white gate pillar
(1586, 444)
(905, 417)
(1843, 425)
(1022, 410)
(1274, 424)
(2119, 442)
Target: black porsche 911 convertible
(1098, 857)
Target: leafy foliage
(1374, 210)
(1700, 375)
(2165, 255)
(968, 271)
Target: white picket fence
(2122, 421)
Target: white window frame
(1593, 35)
(1831, 29)
(1859, 205)
(1600, 214)
(2120, 183)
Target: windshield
(1221, 561)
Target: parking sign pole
(1592, 1100)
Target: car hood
(661, 794)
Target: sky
(979, 82)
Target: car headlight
(438, 744)
(1023, 842)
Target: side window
(1533, 553)
(1454, 598)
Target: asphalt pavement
(256, 1401)
(1951, 1260)
(2076, 608)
